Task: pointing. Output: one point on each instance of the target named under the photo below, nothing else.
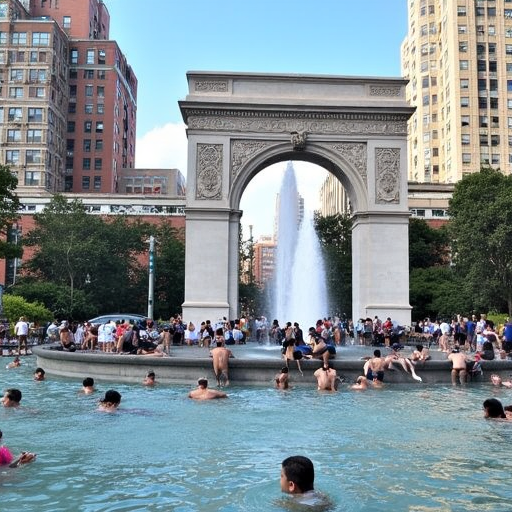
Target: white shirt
(21, 328)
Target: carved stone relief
(243, 150)
(283, 122)
(298, 140)
(387, 175)
(353, 152)
(209, 171)
(389, 90)
(211, 86)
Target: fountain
(300, 292)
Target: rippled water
(415, 449)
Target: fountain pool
(415, 448)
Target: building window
(508, 49)
(36, 92)
(463, 46)
(491, 30)
(34, 136)
(97, 182)
(100, 108)
(15, 114)
(70, 145)
(464, 101)
(12, 156)
(89, 108)
(15, 92)
(32, 178)
(463, 65)
(98, 164)
(66, 21)
(482, 103)
(464, 83)
(465, 139)
(481, 65)
(72, 108)
(73, 56)
(90, 57)
(100, 91)
(89, 90)
(73, 74)
(99, 126)
(19, 38)
(99, 144)
(463, 29)
(101, 74)
(89, 74)
(86, 182)
(16, 75)
(87, 126)
(493, 103)
(37, 76)
(426, 100)
(495, 140)
(466, 158)
(13, 135)
(101, 56)
(484, 122)
(495, 159)
(480, 11)
(508, 13)
(40, 39)
(33, 156)
(484, 140)
(86, 164)
(87, 145)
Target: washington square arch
(354, 127)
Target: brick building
(68, 97)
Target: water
(300, 271)
(397, 449)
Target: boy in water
(88, 386)
(110, 402)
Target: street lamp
(151, 284)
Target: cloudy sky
(163, 39)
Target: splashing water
(300, 293)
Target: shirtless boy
(281, 379)
(459, 361)
(203, 393)
(374, 367)
(221, 355)
(327, 378)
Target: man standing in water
(221, 355)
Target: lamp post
(151, 285)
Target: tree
(95, 261)
(169, 271)
(335, 235)
(16, 307)
(481, 232)
(9, 206)
(428, 247)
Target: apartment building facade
(458, 57)
(67, 97)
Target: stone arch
(344, 160)
(355, 128)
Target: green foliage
(481, 232)
(169, 271)
(335, 235)
(91, 263)
(16, 307)
(428, 247)
(9, 206)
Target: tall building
(68, 103)
(264, 259)
(458, 58)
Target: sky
(163, 39)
